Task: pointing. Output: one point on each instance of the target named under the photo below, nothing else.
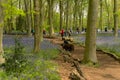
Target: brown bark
(28, 16)
(2, 60)
(115, 19)
(68, 58)
(41, 19)
(101, 16)
(90, 42)
(76, 13)
(108, 14)
(80, 15)
(67, 14)
(36, 27)
(50, 16)
(61, 14)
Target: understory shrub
(15, 62)
(20, 65)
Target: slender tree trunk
(36, 27)
(101, 17)
(61, 14)
(1, 45)
(90, 42)
(31, 14)
(1, 37)
(67, 15)
(115, 19)
(2, 60)
(76, 13)
(82, 20)
(70, 22)
(41, 19)
(80, 15)
(11, 18)
(108, 14)
(50, 14)
(64, 18)
(28, 17)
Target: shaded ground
(109, 68)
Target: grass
(48, 54)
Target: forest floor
(109, 68)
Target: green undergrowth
(21, 65)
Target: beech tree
(90, 42)
(42, 2)
(38, 23)
(50, 16)
(61, 13)
(1, 32)
(28, 15)
(36, 26)
(115, 18)
(101, 16)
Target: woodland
(30, 39)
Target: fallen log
(74, 76)
(75, 63)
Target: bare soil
(109, 68)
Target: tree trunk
(36, 26)
(41, 19)
(115, 19)
(10, 25)
(67, 15)
(108, 14)
(28, 16)
(76, 13)
(101, 17)
(50, 14)
(82, 20)
(2, 60)
(61, 13)
(80, 15)
(90, 42)
(1, 45)
(31, 15)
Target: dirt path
(109, 68)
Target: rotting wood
(75, 62)
(74, 76)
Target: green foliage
(11, 10)
(16, 61)
(90, 63)
(18, 46)
(49, 54)
(3, 76)
(20, 23)
(45, 26)
(56, 21)
(27, 66)
(40, 70)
